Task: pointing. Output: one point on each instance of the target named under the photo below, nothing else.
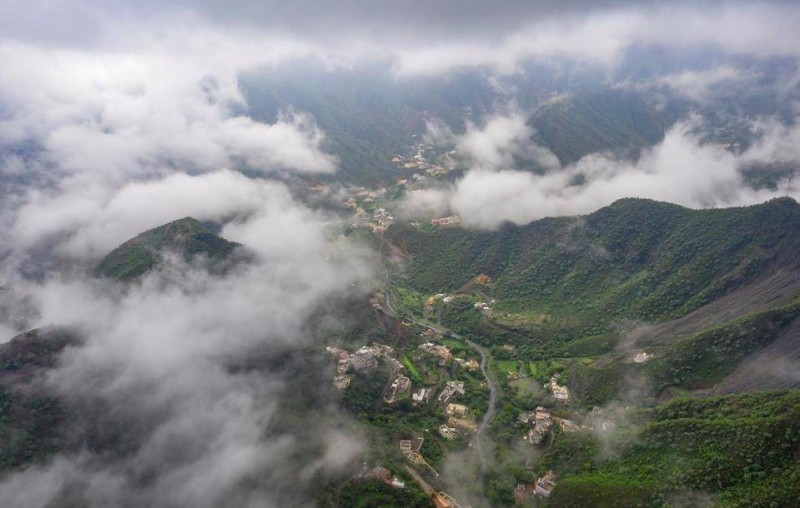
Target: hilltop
(635, 259)
(186, 236)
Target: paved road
(492, 410)
(487, 374)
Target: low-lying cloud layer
(681, 169)
(158, 379)
(423, 38)
(167, 406)
(104, 151)
(190, 388)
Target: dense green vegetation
(704, 358)
(567, 291)
(636, 260)
(368, 493)
(30, 418)
(739, 450)
(563, 286)
(581, 124)
(186, 237)
(30, 427)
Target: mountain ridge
(643, 244)
(187, 236)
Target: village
(459, 418)
(438, 377)
(443, 164)
(371, 208)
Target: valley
(622, 366)
(551, 364)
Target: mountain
(719, 451)
(702, 290)
(33, 419)
(368, 115)
(186, 236)
(675, 331)
(711, 296)
(635, 259)
(607, 120)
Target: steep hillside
(611, 120)
(633, 260)
(722, 451)
(30, 417)
(185, 236)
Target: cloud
(600, 38)
(104, 151)
(495, 143)
(159, 367)
(700, 85)
(421, 38)
(139, 114)
(679, 170)
(89, 223)
(85, 21)
(500, 141)
(190, 387)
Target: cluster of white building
(364, 358)
(451, 390)
(541, 422)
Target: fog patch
(679, 170)
(174, 396)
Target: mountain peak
(140, 254)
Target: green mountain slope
(608, 120)
(722, 451)
(185, 236)
(633, 260)
(368, 116)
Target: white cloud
(90, 222)
(105, 143)
(700, 85)
(159, 365)
(599, 39)
(123, 115)
(678, 170)
(494, 144)
(100, 143)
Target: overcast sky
(422, 34)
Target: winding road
(492, 410)
(487, 374)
